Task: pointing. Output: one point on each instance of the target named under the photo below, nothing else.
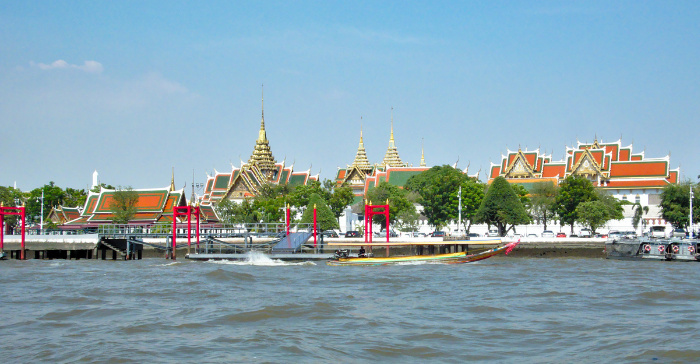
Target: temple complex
(362, 177)
(248, 179)
(610, 166)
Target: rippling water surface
(500, 310)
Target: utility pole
(459, 219)
(690, 234)
(41, 224)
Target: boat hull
(653, 249)
(451, 258)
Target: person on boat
(362, 253)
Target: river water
(525, 310)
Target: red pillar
(365, 232)
(314, 226)
(174, 245)
(22, 211)
(387, 226)
(189, 228)
(2, 226)
(288, 218)
(196, 209)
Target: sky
(134, 89)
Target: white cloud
(88, 66)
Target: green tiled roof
(399, 178)
(283, 178)
(297, 179)
(222, 181)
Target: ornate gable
(240, 188)
(587, 166)
(520, 167)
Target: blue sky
(140, 88)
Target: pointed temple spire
(262, 156)
(391, 158)
(172, 181)
(422, 155)
(361, 160)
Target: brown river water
(519, 310)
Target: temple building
(610, 166)
(248, 179)
(362, 176)
(154, 205)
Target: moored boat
(653, 249)
(450, 258)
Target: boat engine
(341, 253)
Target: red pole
(197, 212)
(2, 225)
(369, 222)
(189, 228)
(174, 245)
(314, 226)
(387, 226)
(365, 222)
(288, 218)
(22, 211)
(387, 223)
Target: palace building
(610, 166)
(248, 179)
(362, 176)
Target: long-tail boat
(450, 258)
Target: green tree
(74, 197)
(338, 197)
(592, 214)
(268, 210)
(473, 192)
(573, 191)
(123, 206)
(542, 207)
(502, 207)
(407, 220)
(437, 188)
(398, 202)
(53, 196)
(324, 216)
(299, 197)
(675, 204)
(231, 212)
(523, 195)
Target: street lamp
(41, 224)
(459, 218)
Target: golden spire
(391, 158)
(361, 161)
(172, 181)
(262, 155)
(422, 155)
(262, 136)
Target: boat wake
(259, 259)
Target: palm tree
(639, 211)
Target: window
(624, 197)
(637, 199)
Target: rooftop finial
(262, 135)
(422, 153)
(392, 124)
(172, 181)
